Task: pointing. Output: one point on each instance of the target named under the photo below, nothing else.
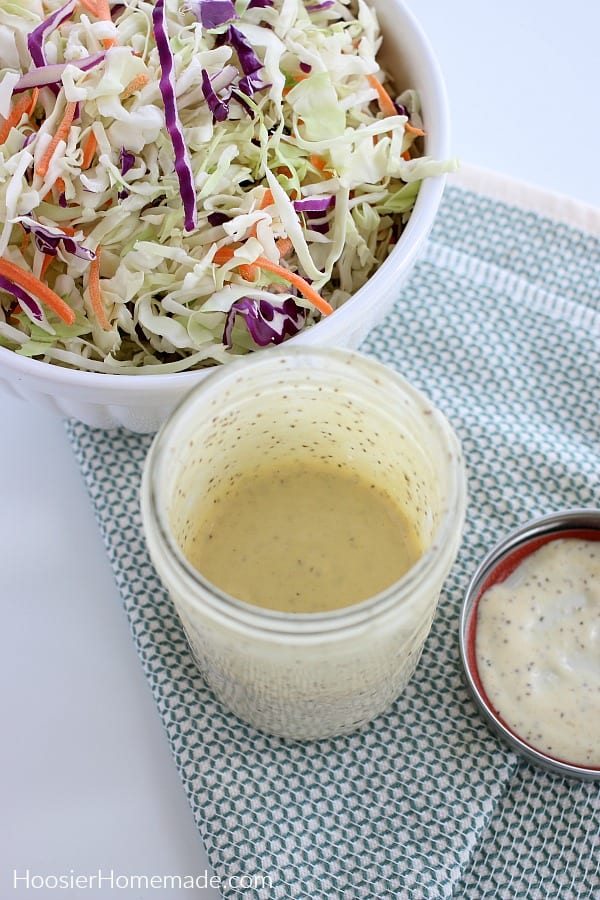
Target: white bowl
(142, 402)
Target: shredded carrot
(224, 254)
(100, 9)
(318, 162)
(24, 107)
(406, 155)
(303, 286)
(48, 257)
(13, 312)
(134, 85)
(249, 272)
(412, 130)
(386, 104)
(34, 98)
(89, 148)
(94, 289)
(61, 134)
(24, 239)
(266, 200)
(284, 245)
(387, 107)
(301, 76)
(42, 291)
(59, 184)
(103, 10)
(103, 13)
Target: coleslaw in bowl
(184, 182)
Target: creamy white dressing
(538, 649)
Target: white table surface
(87, 779)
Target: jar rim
(310, 624)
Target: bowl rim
(437, 145)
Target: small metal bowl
(497, 565)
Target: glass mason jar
(319, 674)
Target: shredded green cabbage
(309, 126)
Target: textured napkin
(500, 326)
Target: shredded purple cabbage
(249, 62)
(267, 323)
(317, 223)
(47, 241)
(313, 209)
(183, 164)
(212, 13)
(400, 109)
(36, 38)
(127, 160)
(218, 107)
(318, 204)
(46, 76)
(259, 4)
(217, 218)
(247, 85)
(317, 7)
(22, 296)
(305, 67)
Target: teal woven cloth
(500, 326)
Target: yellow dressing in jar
(303, 538)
